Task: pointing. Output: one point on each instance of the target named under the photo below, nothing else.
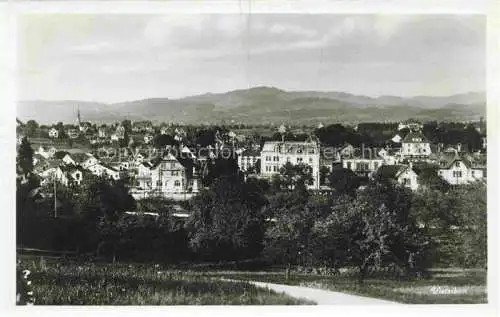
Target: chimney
(459, 147)
(410, 164)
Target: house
(180, 132)
(84, 126)
(397, 138)
(185, 152)
(140, 157)
(415, 146)
(142, 126)
(163, 175)
(276, 154)
(120, 130)
(115, 137)
(148, 138)
(20, 139)
(38, 158)
(103, 169)
(412, 126)
(73, 133)
(164, 130)
(65, 174)
(103, 132)
(46, 152)
(248, 159)
(458, 169)
(363, 166)
(84, 160)
(402, 174)
(53, 133)
(390, 156)
(347, 150)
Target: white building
(102, 132)
(415, 147)
(46, 152)
(53, 133)
(148, 138)
(248, 159)
(390, 156)
(363, 166)
(101, 169)
(457, 170)
(73, 133)
(66, 175)
(397, 138)
(162, 175)
(276, 154)
(84, 160)
(402, 174)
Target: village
(165, 161)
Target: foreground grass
(108, 284)
(444, 287)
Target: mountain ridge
(263, 104)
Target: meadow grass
(443, 287)
(56, 283)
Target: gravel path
(322, 297)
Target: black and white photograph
(248, 158)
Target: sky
(115, 58)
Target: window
(158, 183)
(299, 160)
(472, 173)
(275, 168)
(268, 158)
(175, 173)
(457, 163)
(457, 174)
(406, 181)
(177, 183)
(310, 160)
(349, 165)
(172, 165)
(375, 165)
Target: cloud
(187, 52)
(92, 47)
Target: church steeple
(78, 116)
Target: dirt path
(322, 297)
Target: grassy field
(446, 286)
(56, 283)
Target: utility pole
(55, 199)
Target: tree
(227, 223)
(126, 139)
(323, 174)
(344, 181)
(298, 175)
(289, 226)
(162, 140)
(127, 125)
(374, 229)
(100, 203)
(31, 128)
(456, 221)
(24, 161)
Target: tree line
(277, 222)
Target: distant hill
(264, 105)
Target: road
(322, 297)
